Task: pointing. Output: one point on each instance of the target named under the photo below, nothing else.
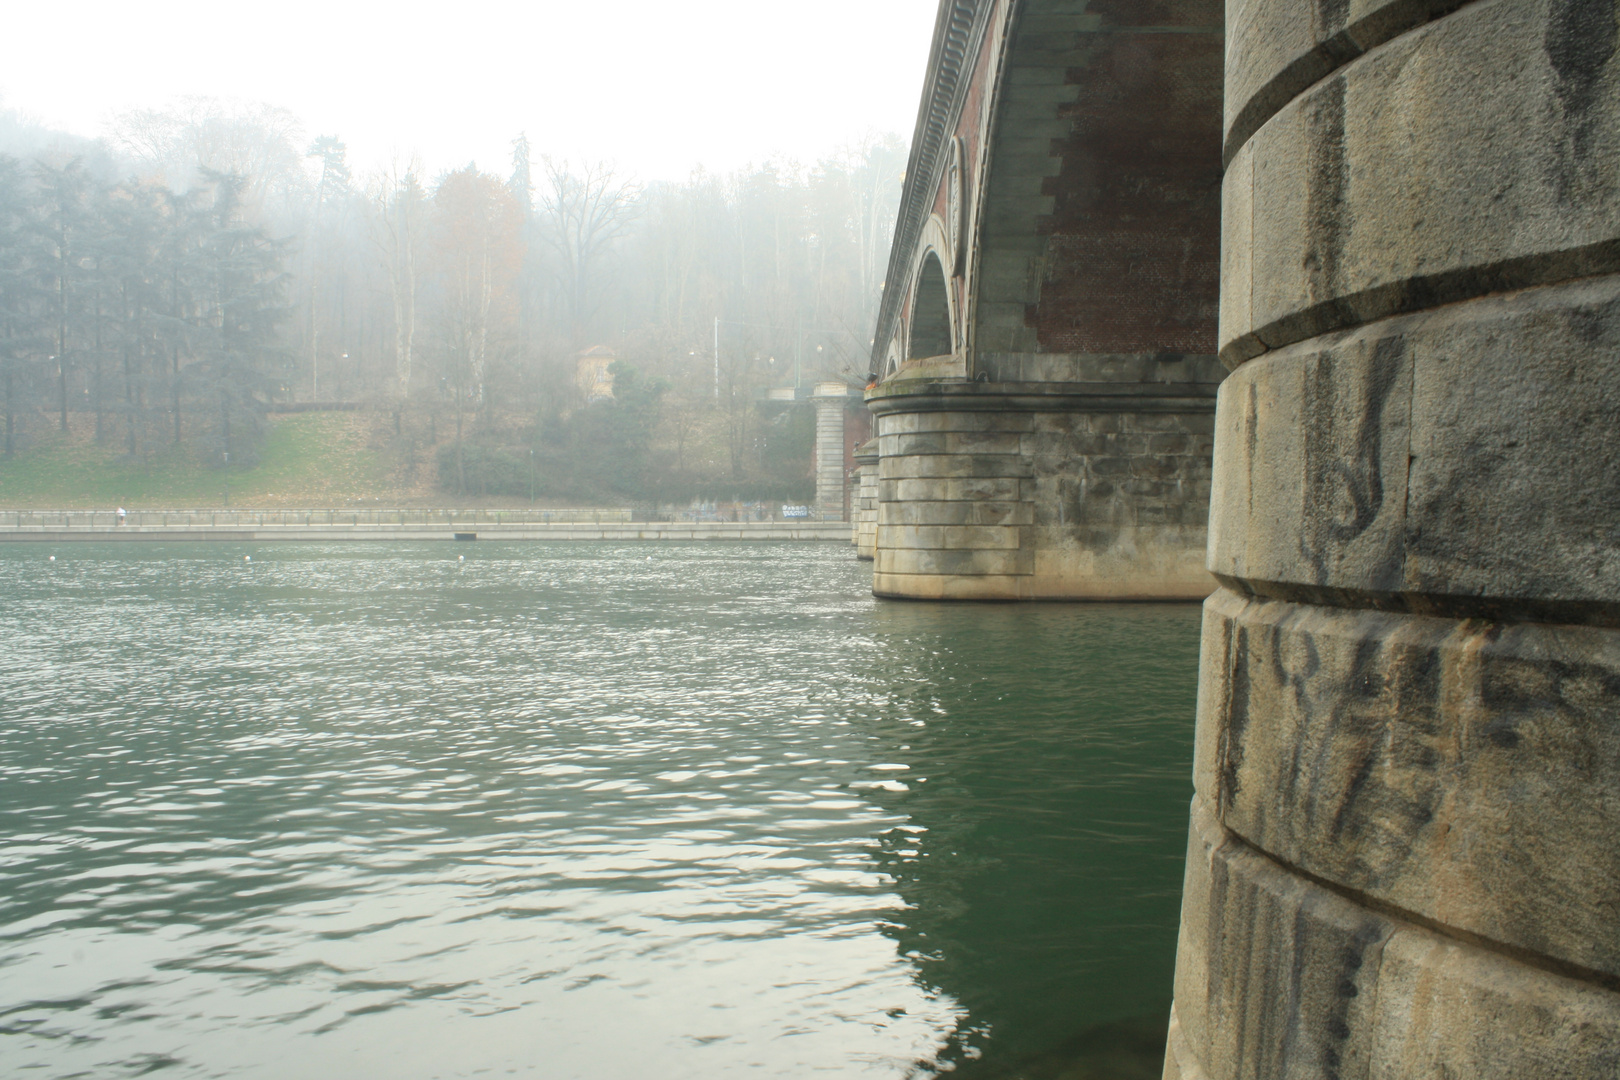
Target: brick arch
(1090, 139)
(1099, 232)
(932, 332)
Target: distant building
(592, 375)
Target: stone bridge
(1045, 352)
(1404, 856)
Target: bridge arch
(1051, 303)
(932, 326)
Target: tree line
(206, 265)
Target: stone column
(1093, 488)
(1405, 848)
(831, 399)
(866, 458)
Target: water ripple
(353, 810)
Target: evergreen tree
(243, 285)
(20, 301)
(62, 226)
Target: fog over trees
(172, 286)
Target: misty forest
(176, 288)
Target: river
(577, 810)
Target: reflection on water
(576, 811)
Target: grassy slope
(307, 459)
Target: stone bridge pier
(1404, 858)
(1045, 350)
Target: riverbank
(391, 524)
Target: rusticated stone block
(1277, 48)
(948, 537)
(988, 489)
(909, 422)
(951, 442)
(912, 442)
(960, 513)
(1408, 690)
(1465, 771)
(1278, 976)
(1274, 976)
(966, 562)
(952, 466)
(1460, 456)
(1356, 214)
(1237, 261)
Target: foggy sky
(655, 85)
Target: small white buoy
(53, 558)
(461, 558)
(247, 558)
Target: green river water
(598, 811)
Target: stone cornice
(958, 34)
(962, 395)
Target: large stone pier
(1404, 858)
(1046, 344)
(1019, 489)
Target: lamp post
(531, 476)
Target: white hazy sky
(658, 86)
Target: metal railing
(353, 517)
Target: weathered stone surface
(1280, 977)
(961, 513)
(1409, 688)
(1454, 459)
(952, 466)
(898, 423)
(1146, 369)
(866, 499)
(965, 562)
(1055, 504)
(951, 442)
(1179, 1061)
(1465, 771)
(895, 492)
(1237, 260)
(1278, 48)
(1355, 214)
(948, 537)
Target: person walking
(120, 515)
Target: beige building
(592, 375)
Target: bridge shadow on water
(1048, 758)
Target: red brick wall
(1135, 234)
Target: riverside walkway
(406, 523)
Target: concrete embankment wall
(628, 531)
(1404, 858)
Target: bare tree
(256, 141)
(398, 204)
(583, 213)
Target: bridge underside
(1045, 415)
